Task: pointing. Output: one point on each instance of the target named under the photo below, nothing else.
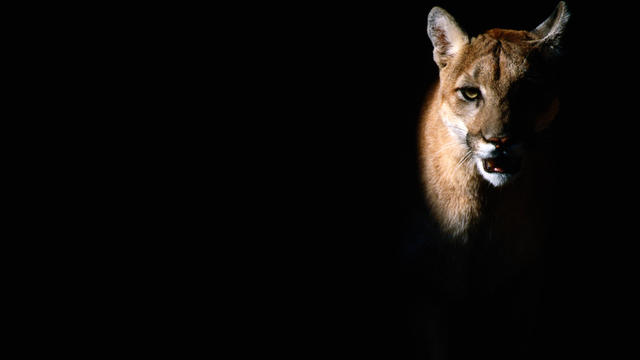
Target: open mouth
(502, 165)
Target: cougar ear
(446, 36)
(551, 31)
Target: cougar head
(496, 90)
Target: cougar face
(494, 91)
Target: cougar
(487, 175)
(482, 168)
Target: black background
(300, 250)
(334, 182)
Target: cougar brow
(496, 60)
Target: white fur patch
(484, 150)
(455, 124)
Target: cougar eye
(470, 93)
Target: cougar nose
(498, 141)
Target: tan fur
(516, 100)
